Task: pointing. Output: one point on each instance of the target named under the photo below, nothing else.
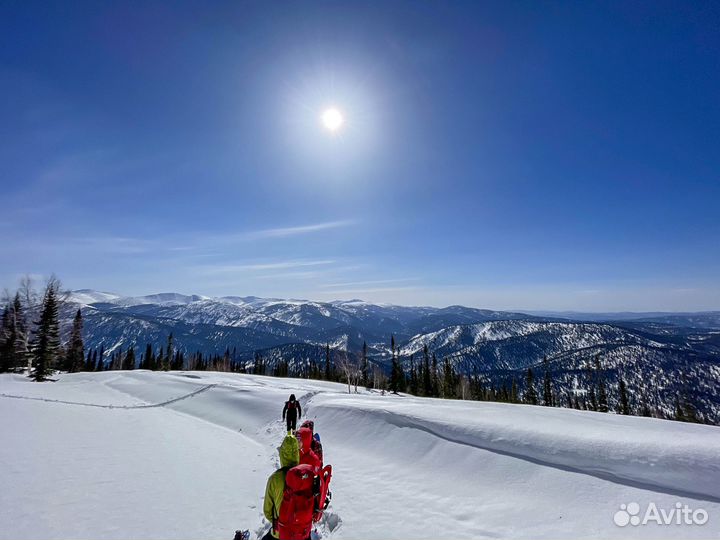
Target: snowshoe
(322, 495)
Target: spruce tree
(364, 366)
(476, 387)
(21, 351)
(14, 351)
(623, 402)
(6, 340)
(530, 393)
(328, 363)
(644, 407)
(151, 360)
(448, 385)
(435, 378)
(179, 361)
(129, 362)
(679, 413)
(688, 406)
(227, 360)
(145, 364)
(572, 400)
(160, 359)
(394, 384)
(89, 365)
(514, 391)
(76, 349)
(258, 369)
(548, 399)
(504, 393)
(170, 353)
(47, 337)
(592, 403)
(420, 375)
(602, 399)
(426, 378)
(413, 377)
(402, 378)
(117, 360)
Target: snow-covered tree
(602, 398)
(46, 342)
(623, 401)
(548, 398)
(464, 387)
(350, 369)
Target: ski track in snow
(146, 406)
(403, 467)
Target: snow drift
(177, 455)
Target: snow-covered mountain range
(659, 355)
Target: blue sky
(509, 155)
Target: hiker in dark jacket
(291, 412)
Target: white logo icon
(628, 513)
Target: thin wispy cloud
(283, 232)
(366, 283)
(256, 267)
(209, 241)
(293, 275)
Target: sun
(332, 119)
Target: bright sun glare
(332, 119)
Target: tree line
(34, 344)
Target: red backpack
(298, 504)
(315, 445)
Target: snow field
(187, 454)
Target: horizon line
(534, 312)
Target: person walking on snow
(291, 412)
(289, 458)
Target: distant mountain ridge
(698, 319)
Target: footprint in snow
(329, 523)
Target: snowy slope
(88, 296)
(468, 340)
(186, 455)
